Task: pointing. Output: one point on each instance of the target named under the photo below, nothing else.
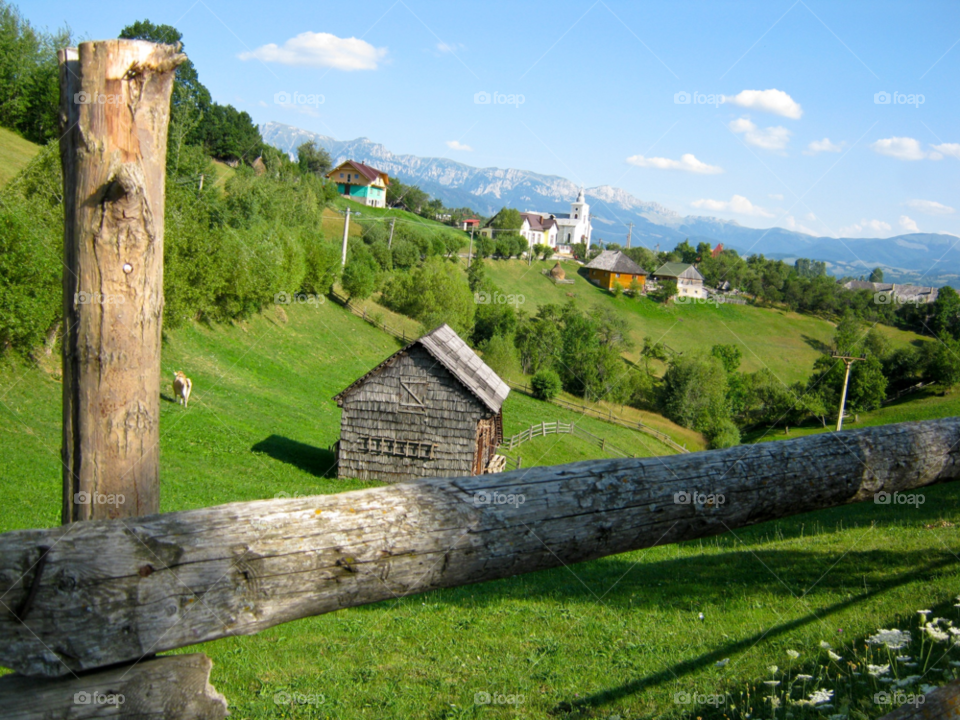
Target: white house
(558, 230)
(689, 280)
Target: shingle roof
(615, 261)
(672, 269)
(370, 173)
(463, 363)
(533, 220)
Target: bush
(434, 293)
(500, 355)
(545, 384)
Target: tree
(945, 313)
(507, 219)
(492, 317)
(500, 355)
(434, 293)
(944, 368)
(313, 160)
(546, 384)
(728, 355)
(877, 275)
(694, 394)
(360, 274)
(579, 250)
(667, 288)
(686, 252)
(476, 274)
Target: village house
(916, 294)
(361, 183)
(432, 409)
(689, 280)
(613, 266)
(469, 224)
(561, 231)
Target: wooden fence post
(114, 112)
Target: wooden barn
(432, 409)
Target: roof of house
(677, 270)
(455, 355)
(900, 291)
(616, 262)
(370, 173)
(534, 220)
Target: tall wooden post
(848, 361)
(114, 112)
(346, 232)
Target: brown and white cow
(181, 388)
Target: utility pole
(848, 361)
(470, 252)
(201, 182)
(629, 234)
(390, 241)
(346, 229)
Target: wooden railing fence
(88, 605)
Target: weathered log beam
(174, 687)
(114, 590)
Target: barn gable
(433, 408)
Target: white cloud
(450, 47)
(687, 162)
(737, 204)
(901, 148)
(772, 101)
(866, 227)
(775, 196)
(908, 224)
(457, 145)
(951, 149)
(320, 50)
(930, 207)
(771, 138)
(819, 146)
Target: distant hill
(923, 258)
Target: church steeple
(580, 196)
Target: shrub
(545, 384)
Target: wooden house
(612, 266)
(433, 409)
(689, 280)
(361, 183)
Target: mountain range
(922, 258)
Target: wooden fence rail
(609, 417)
(112, 591)
(400, 334)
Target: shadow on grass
(675, 672)
(316, 461)
(817, 345)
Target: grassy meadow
(621, 637)
(15, 153)
(785, 342)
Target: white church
(558, 230)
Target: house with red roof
(361, 183)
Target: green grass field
(612, 638)
(787, 343)
(15, 153)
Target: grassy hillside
(15, 153)
(787, 343)
(617, 637)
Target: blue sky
(783, 126)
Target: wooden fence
(561, 428)
(610, 418)
(399, 333)
(88, 604)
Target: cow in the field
(181, 388)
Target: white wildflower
(772, 669)
(904, 658)
(793, 654)
(821, 696)
(927, 688)
(909, 680)
(877, 670)
(722, 663)
(893, 639)
(935, 633)
(771, 683)
(825, 645)
(833, 656)
(804, 677)
(923, 613)
(773, 700)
